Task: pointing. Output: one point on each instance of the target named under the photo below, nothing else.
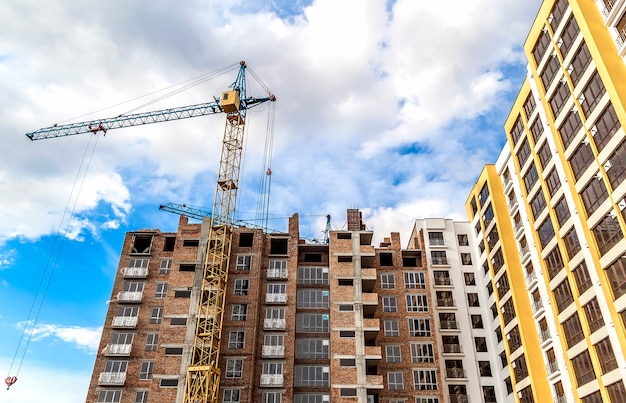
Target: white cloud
(7, 258)
(84, 338)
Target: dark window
(545, 232)
(344, 259)
(560, 96)
(581, 274)
(583, 368)
(347, 362)
(592, 93)
(344, 235)
(549, 71)
(531, 177)
(386, 259)
(182, 293)
(169, 244)
(246, 239)
(563, 295)
(497, 260)
(178, 321)
(169, 383)
(278, 246)
(607, 233)
(581, 159)
(573, 330)
(472, 299)
(312, 257)
(616, 274)
(545, 155)
(469, 279)
(477, 322)
(579, 63)
(562, 211)
(191, 243)
(529, 105)
(540, 47)
(558, 10)
(346, 333)
(605, 127)
(554, 261)
(617, 392)
(508, 311)
(173, 351)
(538, 204)
(523, 153)
(187, 267)
(462, 239)
(348, 282)
(481, 344)
(474, 206)
(617, 168)
(485, 368)
(570, 32)
(346, 307)
(594, 315)
(509, 385)
(572, 244)
(348, 392)
(553, 182)
(595, 397)
(514, 339)
(593, 195)
(142, 243)
(536, 129)
(570, 127)
(516, 132)
(520, 369)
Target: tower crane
(203, 374)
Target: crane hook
(10, 380)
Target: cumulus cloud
(84, 338)
(7, 258)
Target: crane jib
(136, 119)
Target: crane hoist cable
(265, 184)
(51, 263)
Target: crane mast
(203, 374)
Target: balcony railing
(530, 277)
(439, 260)
(552, 367)
(449, 324)
(524, 250)
(273, 351)
(129, 296)
(112, 378)
(437, 242)
(271, 380)
(135, 272)
(118, 349)
(277, 274)
(544, 335)
(455, 373)
(518, 226)
(276, 298)
(621, 37)
(445, 302)
(537, 305)
(274, 324)
(460, 399)
(512, 204)
(124, 321)
(608, 7)
(560, 399)
(443, 280)
(452, 348)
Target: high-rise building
(551, 211)
(305, 323)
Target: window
(141, 396)
(481, 344)
(311, 323)
(469, 279)
(570, 127)
(168, 382)
(549, 70)
(545, 155)
(345, 282)
(562, 212)
(156, 314)
(583, 368)
(579, 63)
(593, 195)
(545, 232)
(607, 233)
(422, 352)
(570, 32)
(563, 295)
(530, 178)
(312, 275)
(439, 257)
(557, 13)
(436, 239)
(312, 348)
(417, 303)
(462, 239)
(573, 330)
(617, 392)
(232, 395)
(529, 105)
(389, 304)
(520, 369)
(540, 47)
(187, 267)
(191, 243)
(395, 381)
(572, 244)
(523, 153)
(132, 286)
(347, 392)
(419, 327)
(347, 333)
(605, 127)
(514, 339)
(386, 259)
(477, 321)
(178, 321)
(241, 286)
(392, 353)
(236, 339)
(581, 274)
(581, 159)
(145, 371)
(164, 268)
(553, 182)
(347, 362)
(508, 311)
(616, 274)
(234, 368)
(346, 308)
(109, 396)
(536, 129)
(391, 328)
(485, 368)
(560, 96)
(387, 281)
(425, 379)
(173, 351)
(142, 243)
(312, 299)
(554, 261)
(414, 279)
(246, 239)
(161, 290)
(516, 133)
(617, 166)
(538, 204)
(592, 93)
(152, 340)
(472, 299)
(311, 376)
(243, 262)
(466, 259)
(279, 246)
(240, 312)
(606, 356)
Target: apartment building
(551, 210)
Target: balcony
(537, 305)
(271, 380)
(544, 335)
(273, 351)
(552, 367)
(441, 261)
(374, 381)
(277, 274)
(524, 252)
(446, 302)
(441, 280)
(452, 349)
(460, 399)
(274, 324)
(112, 378)
(621, 38)
(128, 322)
(455, 373)
(449, 325)
(560, 399)
(135, 272)
(436, 242)
(276, 298)
(117, 350)
(530, 278)
(518, 226)
(608, 7)
(512, 205)
(129, 296)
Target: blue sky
(389, 106)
